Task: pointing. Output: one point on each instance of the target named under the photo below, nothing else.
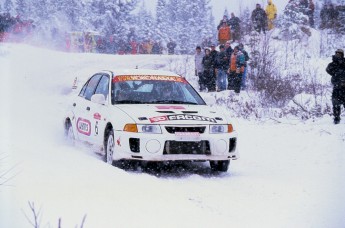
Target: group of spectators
(230, 28)
(88, 42)
(13, 28)
(223, 69)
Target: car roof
(142, 72)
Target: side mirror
(99, 99)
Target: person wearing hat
(271, 11)
(337, 70)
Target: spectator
(199, 68)
(209, 76)
(246, 59)
(259, 19)
(214, 54)
(337, 70)
(271, 11)
(224, 33)
(236, 69)
(171, 45)
(228, 49)
(156, 48)
(234, 23)
(134, 47)
(225, 19)
(222, 65)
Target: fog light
(153, 146)
(221, 146)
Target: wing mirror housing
(99, 99)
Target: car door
(99, 111)
(82, 105)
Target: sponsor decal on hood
(170, 107)
(182, 117)
(121, 78)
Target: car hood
(173, 114)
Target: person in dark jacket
(337, 70)
(209, 76)
(246, 59)
(214, 54)
(222, 65)
(225, 19)
(259, 19)
(234, 23)
(171, 47)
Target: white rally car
(150, 115)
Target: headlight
(221, 128)
(143, 128)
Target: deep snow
(290, 174)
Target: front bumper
(169, 147)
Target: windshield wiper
(174, 102)
(129, 102)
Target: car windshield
(177, 91)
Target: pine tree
(146, 25)
(21, 8)
(246, 23)
(294, 21)
(40, 10)
(189, 23)
(118, 16)
(9, 7)
(162, 21)
(96, 15)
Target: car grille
(174, 129)
(176, 147)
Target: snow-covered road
(290, 174)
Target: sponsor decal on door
(84, 126)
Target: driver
(123, 92)
(167, 91)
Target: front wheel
(109, 147)
(220, 166)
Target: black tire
(220, 166)
(109, 147)
(69, 134)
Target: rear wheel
(220, 166)
(109, 147)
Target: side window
(82, 91)
(103, 86)
(91, 86)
